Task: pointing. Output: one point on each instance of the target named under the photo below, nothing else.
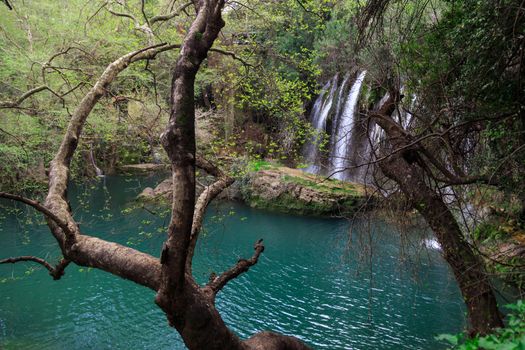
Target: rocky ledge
(284, 190)
(293, 191)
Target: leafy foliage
(512, 337)
(65, 46)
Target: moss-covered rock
(281, 189)
(293, 191)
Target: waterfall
(337, 113)
(375, 135)
(403, 116)
(98, 171)
(353, 142)
(319, 115)
(310, 153)
(343, 138)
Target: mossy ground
(336, 198)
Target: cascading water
(343, 138)
(353, 143)
(375, 136)
(335, 120)
(98, 171)
(319, 115)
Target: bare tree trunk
(190, 308)
(483, 313)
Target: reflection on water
(309, 282)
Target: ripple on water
(307, 284)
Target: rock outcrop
(293, 191)
(284, 190)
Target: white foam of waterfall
(339, 105)
(319, 115)
(344, 133)
(98, 171)
(409, 117)
(431, 243)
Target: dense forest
(407, 114)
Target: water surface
(310, 282)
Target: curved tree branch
(35, 204)
(210, 193)
(56, 272)
(59, 167)
(232, 55)
(85, 250)
(124, 15)
(160, 18)
(26, 95)
(243, 265)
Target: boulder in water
(163, 190)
